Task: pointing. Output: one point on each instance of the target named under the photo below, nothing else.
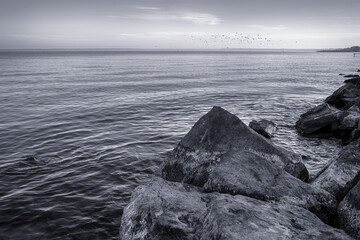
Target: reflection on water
(79, 131)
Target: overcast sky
(179, 24)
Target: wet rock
(349, 212)
(215, 134)
(318, 121)
(354, 81)
(342, 174)
(348, 123)
(220, 154)
(351, 76)
(344, 97)
(248, 174)
(168, 210)
(264, 127)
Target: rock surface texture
(338, 117)
(349, 212)
(342, 174)
(215, 134)
(263, 127)
(168, 210)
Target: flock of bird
(230, 40)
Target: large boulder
(263, 127)
(349, 212)
(248, 174)
(342, 174)
(215, 134)
(167, 210)
(345, 97)
(318, 121)
(355, 80)
(214, 156)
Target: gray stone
(248, 174)
(354, 80)
(345, 97)
(166, 210)
(349, 212)
(215, 134)
(263, 127)
(342, 174)
(318, 120)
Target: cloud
(146, 8)
(200, 18)
(191, 17)
(112, 16)
(264, 27)
(344, 18)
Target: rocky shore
(225, 180)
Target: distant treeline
(350, 49)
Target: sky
(181, 24)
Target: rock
(342, 174)
(344, 97)
(224, 163)
(349, 212)
(264, 127)
(355, 80)
(168, 210)
(248, 174)
(317, 121)
(348, 122)
(351, 76)
(215, 134)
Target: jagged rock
(167, 210)
(342, 174)
(224, 163)
(264, 127)
(215, 134)
(349, 212)
(350, 120)
(318, 121)
(344, 97)
(351, 76)
(355, 80)
(248, 174)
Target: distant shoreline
(350, 49)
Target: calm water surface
(80, 130)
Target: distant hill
(350, 49)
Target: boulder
(263, 127)
(354, 81)
(342, 174)
(214, 156)
(169, 210)
(215, 134)
(248, 174)
(344, 97)
(351, 76)
(318, 121)
(349, 212)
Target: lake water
(80, 130)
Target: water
(80, 130)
